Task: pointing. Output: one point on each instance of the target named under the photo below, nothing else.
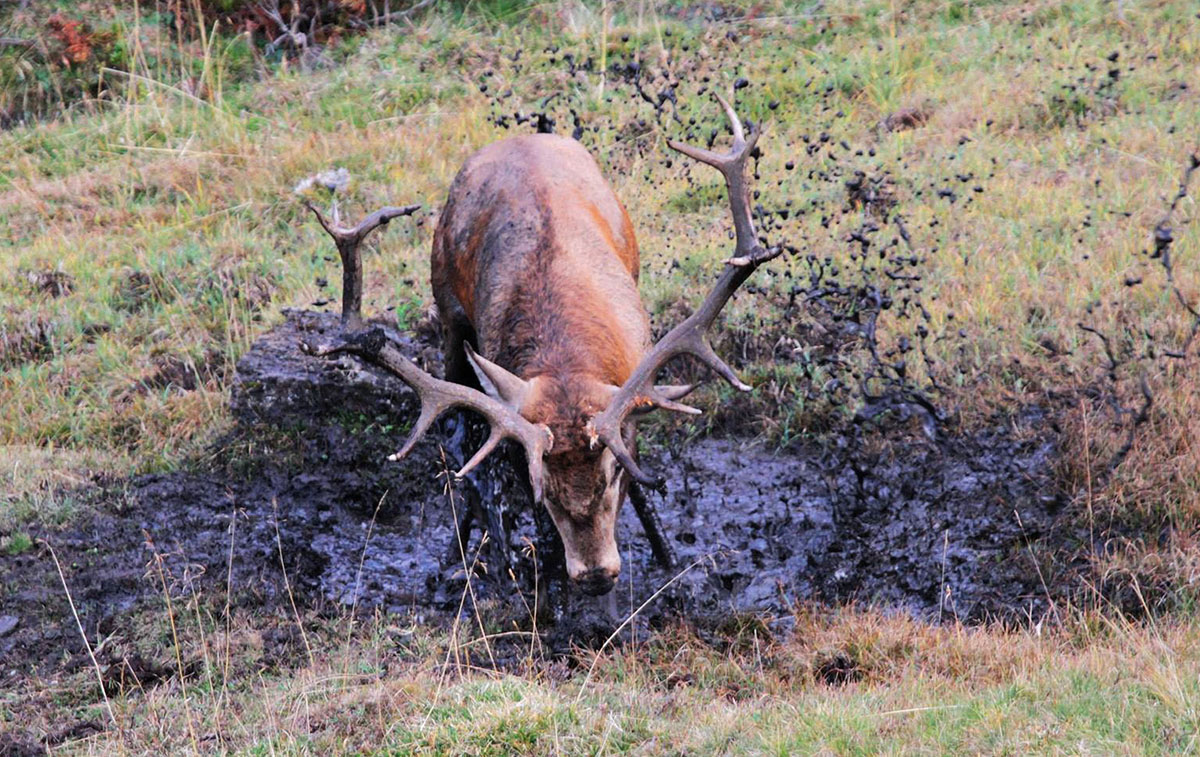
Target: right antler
(639, 391)
(437, 396)
(347, 241)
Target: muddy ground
(946, 529)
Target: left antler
(638, 392)
(438, 396)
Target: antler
(639, 393)
(437, 396)
(347, 241)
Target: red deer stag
(535, 270)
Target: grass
(152, 235)
(1109, 687)
(196, 251)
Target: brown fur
(535, 264)
(538, 256)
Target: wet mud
(942, 530)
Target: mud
(939, 530)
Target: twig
(628, 620)
(387, 18)
(292, 33)
(362, 558)
(910, 710)
(162, 575)
(1163, 238)
(468, 569)
(1037, 566)
(228, 610)
(454, 646)
(1139, 417)
(288, 584)
(87, 645)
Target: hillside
(987, 211)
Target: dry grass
(854, 681)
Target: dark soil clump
(904, 119)
(31, 341)
(51, 282)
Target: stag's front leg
(481, 500)
(550, 580)
(553, 589)
(456, 446)
(648, 514)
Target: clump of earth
(946, 529)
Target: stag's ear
(498, 383)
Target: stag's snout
(594, 574)
(597, 581)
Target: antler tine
(534, 456)
(664, 399)
(347, 241)
(616, 445)
(424, 421)
(732, 166)
(438, 396)
(689, 337)
(734, 122)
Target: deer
(534, 272)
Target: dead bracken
(27, 341)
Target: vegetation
(849, 682)
(1033, 148)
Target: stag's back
(537, 252)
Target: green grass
(16, 543)
(170, 214)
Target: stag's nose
(596, 582)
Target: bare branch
(292, 33)
(387, 18)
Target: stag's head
(582, 484)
